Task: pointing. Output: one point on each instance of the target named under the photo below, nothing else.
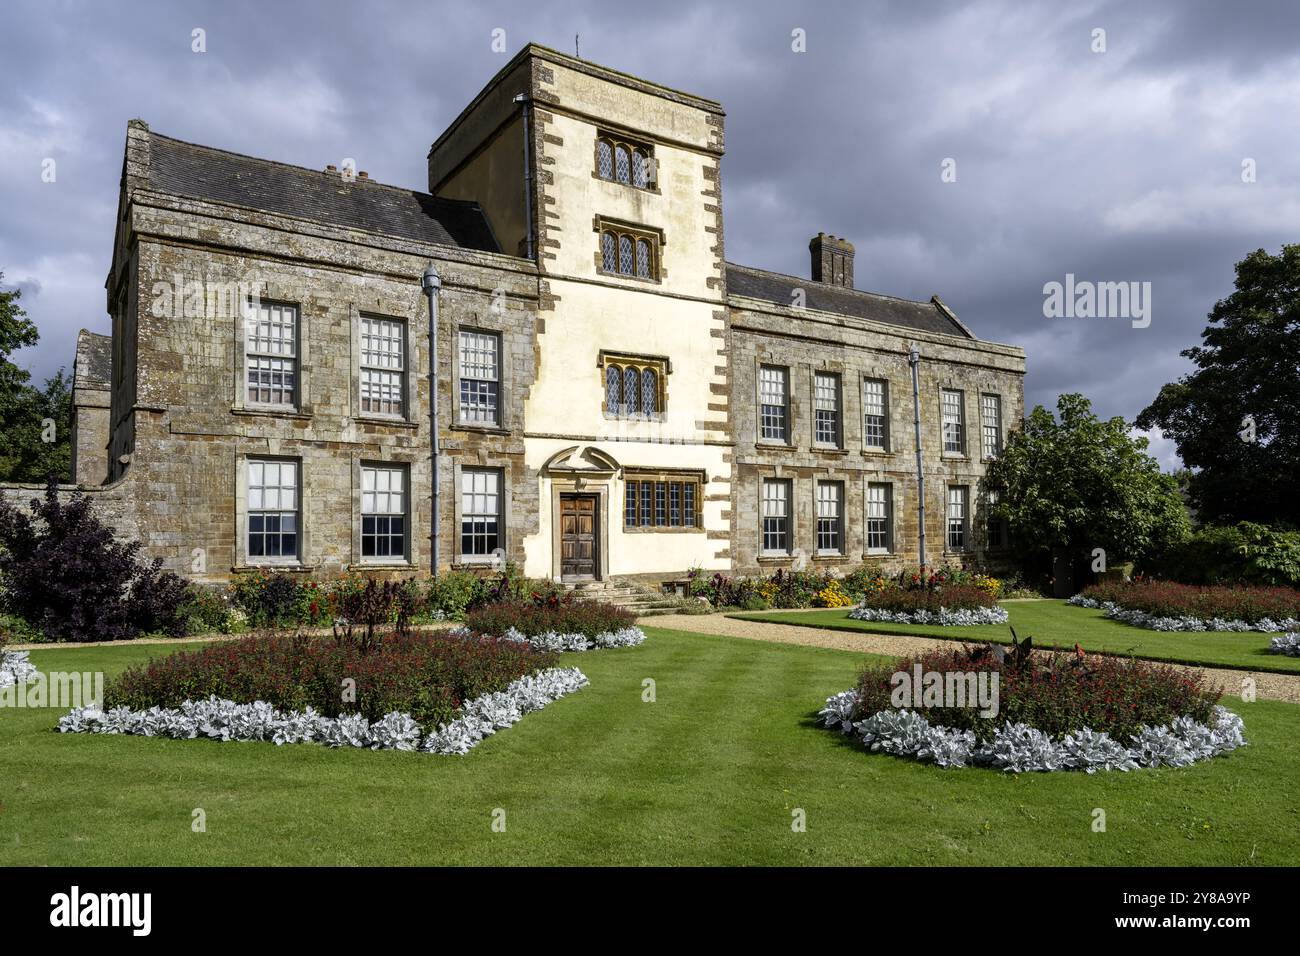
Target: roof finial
(576, 54)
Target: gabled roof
(94, 365)
(201, 172)
(779, 289)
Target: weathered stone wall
(90, 427)
(182, 490)
(807, 342)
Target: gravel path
(1270, 686)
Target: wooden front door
(579, 558)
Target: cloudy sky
(1114, 157)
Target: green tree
(35, 439)
(1068, 486)
(1236, 419)
(30, 448)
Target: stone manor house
(614, 398)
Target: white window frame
(875, 405)
(826, 398)
(477, 486)
(880, 509)
(775, 507)
(952, 413)
(830, 511)
(377, 501)
(382, 366)
(470, 347)
(257, 498)
(265, 342)
(957, 515)
(991, 424)
(768, 377)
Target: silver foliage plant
(1288, 644)
(15, 668)
(1019, 748)
(958, 617)
(551, 641)
(1153, 623)
(226, 720)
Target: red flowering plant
(549, 615)
(427, 675)
(1055, 692)
(1167, 599)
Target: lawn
(1055, 622)
(708, 774)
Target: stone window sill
(829, 450)
(830, 558)
(390, 422)
(381, 566)
(290, 413)
(876, 453)
(295, 566)
(480, 429)
(774, 445)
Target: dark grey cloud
(1122, 165)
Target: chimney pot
(331, 168)
(832, 260)
(363, 175)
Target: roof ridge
(834, 288)
(320, 172)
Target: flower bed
(948, 605)
(426, 675)
(1164, 606)
(1019, 748)
(1288, 644)
(942, 616)
(825, 588)
(227, 720)
(557, 623)
(1050, 711)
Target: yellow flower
(833, 595)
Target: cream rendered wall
(495, 180)
(595, 312)
(638, 552)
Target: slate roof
(201, 172)
(778, 288)
(94, 367)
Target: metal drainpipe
(914, 360)
(523, 99)
(432, 284)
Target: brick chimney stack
(832, 260)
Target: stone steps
(640, 601)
